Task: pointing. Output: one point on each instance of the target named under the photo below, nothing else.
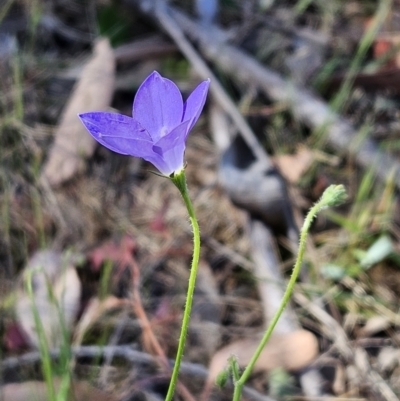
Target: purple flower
(159, 127)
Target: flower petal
(171, 148)
(119, 133)
(195, 103)
(158, 161)
(158, 106)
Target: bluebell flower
(159, 127)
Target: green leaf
(281, 384)
(222, 378)
(378, 251)
(332, 271)
(359, 254)
(113, 24)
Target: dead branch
(125, 352)
(153, 46)
(305, 105)
(161, 14)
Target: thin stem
(179, 179)
(332, 196)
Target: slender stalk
(333, 196)
(179, 179)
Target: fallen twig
(305, 105)
(160, 13)
(270, 281)
(120, 351)
(357, 356)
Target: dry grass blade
(93, 312)
(366, 375)
(94, 91)
(149, 338)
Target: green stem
(333, 196)
(179, 179)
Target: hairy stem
(179, 179)
(333, 196)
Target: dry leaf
(294, 166)
(94, 91)
(291, 352)
(56, 292)
(37, 391)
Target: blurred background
(95, 248)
